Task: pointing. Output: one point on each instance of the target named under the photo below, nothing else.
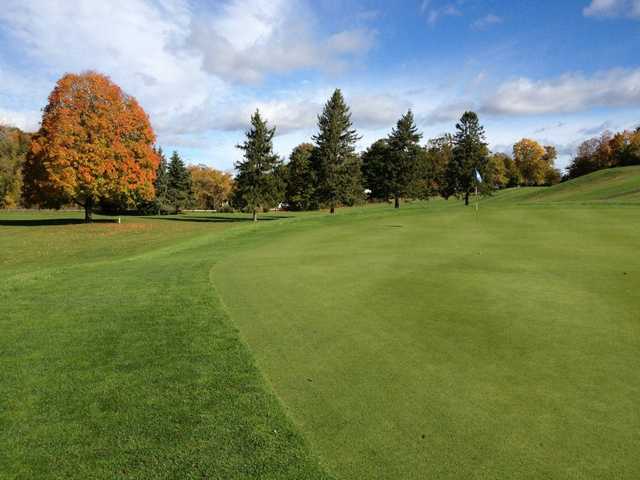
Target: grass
(614, 185)
(117, 360)
(428, 342)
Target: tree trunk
(397, 202)
(255, 215)
(88, 210)
(333, 210)
(466, 198)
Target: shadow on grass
(190, 218)
(42, 222)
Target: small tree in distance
(179, 189)
(258, 183)
(404, 150)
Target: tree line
(96, 148)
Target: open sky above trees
(557, 72)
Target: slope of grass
(117, 359)
(614, 185)
(433, 343)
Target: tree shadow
(217, 219)
(43, 222)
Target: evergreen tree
(162, 185)
(470, 153)
(375, 166)
(179, 193)
(404, 153)
(301, 179)
(259, 179)
(338, 167)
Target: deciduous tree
(95, 143)
(300, 192)
(211, 188)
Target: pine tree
(259, 179)
(337, 165)
(301, 178)
(404, 151)
(470, 153)
(179, 191)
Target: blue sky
(555, 71)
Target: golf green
(434, 342)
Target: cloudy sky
(556, 71)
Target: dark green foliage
(179, 194)
(402, 161)
(162, 185)
(301, 179)
(337, 165)
(13, 148)
(259, 183)
(375, 170)
(469, 154)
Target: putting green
(433, 343)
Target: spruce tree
(162, 184)
(337, 165)
(258, 183)
(179, 191)
(404, 151)
(470, 153)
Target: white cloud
(435, 12)
(613, 8)
(28, 121)
(487, 21)
(568, 93)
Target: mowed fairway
(433, 343)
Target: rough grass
(118, 361)
(614, 185)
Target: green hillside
(614, 185)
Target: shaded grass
(117, 359)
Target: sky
(555, 71)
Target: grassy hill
(426, 342)
(614, 185)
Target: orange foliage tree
(212, 188)
(95, 143)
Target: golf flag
(478, 177)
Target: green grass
(614, 185)
(425, 342)
(431, 343)
(117, 360)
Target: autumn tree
(469, 155)
(439, 152)
(403, 157)
(14, 145)
(95, 142)
(211, 188)
(258, 183)
(496, 173)
(300, 192)
(529, 157)
(179, 184)
(337, 165)
(161, 184)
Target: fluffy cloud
(613, 8)
(568, 93)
